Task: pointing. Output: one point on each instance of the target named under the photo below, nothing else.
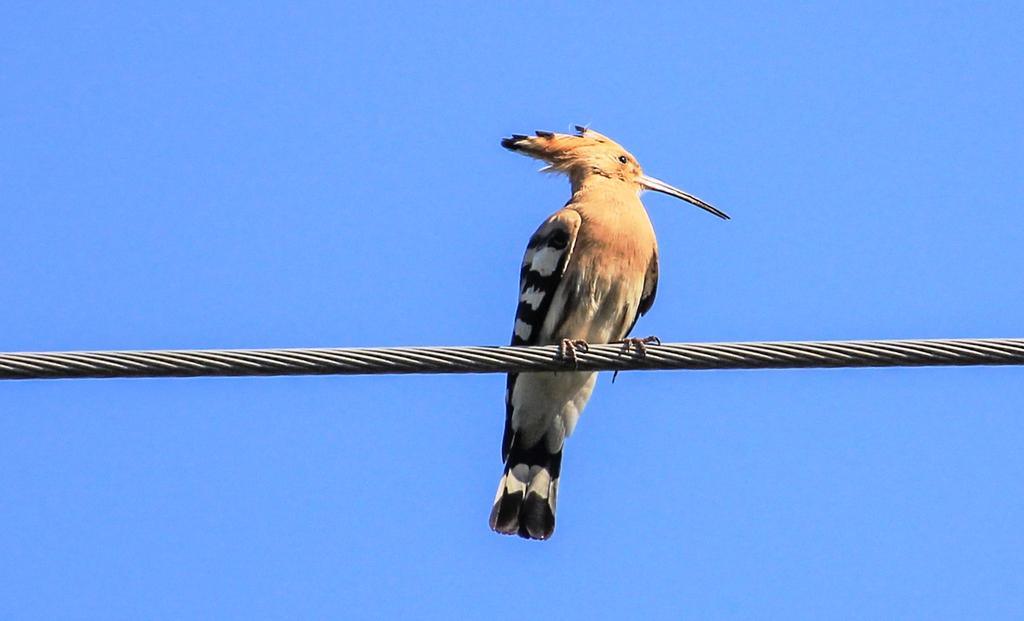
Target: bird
(589, 272)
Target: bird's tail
(525, 502)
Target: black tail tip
(530, 519)
(505, 513)
(536, 519)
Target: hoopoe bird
(590, 271)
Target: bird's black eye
(623, 159)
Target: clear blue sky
(221, 175)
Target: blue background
(204, 176)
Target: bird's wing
(544, 263)
(650, 290)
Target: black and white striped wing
(544, 264)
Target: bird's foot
(568, 348)
(640, 345)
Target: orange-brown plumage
(589, 273)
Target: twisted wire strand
(379, 360)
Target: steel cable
(378, 360)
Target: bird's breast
(604, 281)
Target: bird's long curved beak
(650, 183)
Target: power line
(379, 360)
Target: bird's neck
(594, 185)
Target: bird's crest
(572, 154)
(588, 154)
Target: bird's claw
(639, 344)
(568, 347)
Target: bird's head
(590, 153)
